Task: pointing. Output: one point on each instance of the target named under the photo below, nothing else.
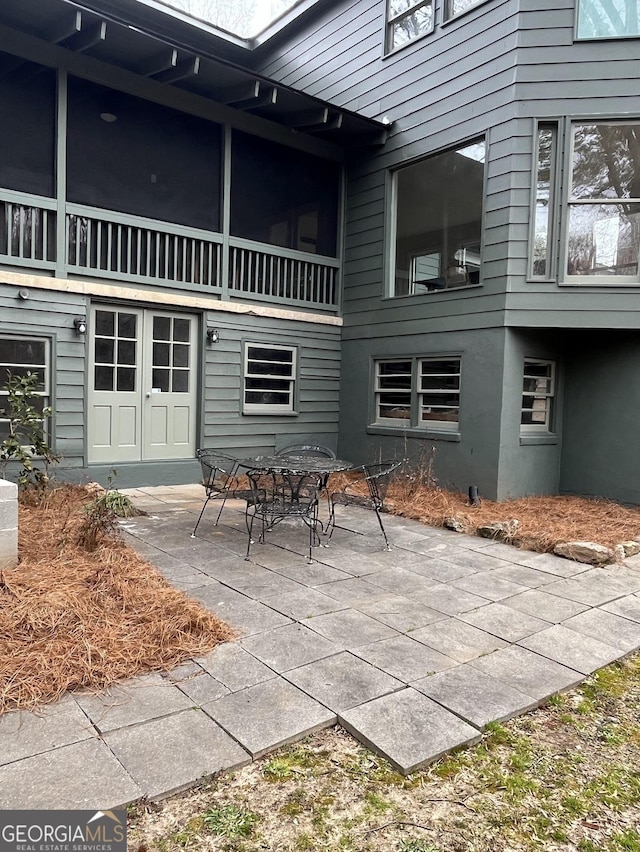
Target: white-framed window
(439, 393)
(538, 392)
(269, 379)
(418, 393)
(457, 7)
(18, 356)
(608, 19)
(437, 224)
(407, 20)
(603, 239)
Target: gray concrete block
(25, 733)
(247, 616)
(268, 715)
(343, 681)
(527, 672)
(132, 701)
(403, 658)
(305, 602)
(83, 776)
(449, 600)
(288, 647)
(505, 622)
(539, 603)
(458, 640)
(202, 688)
(408, 729)
(401, 613)
(349, 628)
(582, 653)
(167, 755)
(488, 584)
(628, 607)
(403, 581)
(234, 667)
(607, 627)
(475, 696)
(352, 592)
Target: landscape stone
(499, 530)
(585, 551)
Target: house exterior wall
(494, 71)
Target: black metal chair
(276, 496)
(219, 477)
(368, 490)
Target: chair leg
(250, 532)
(331, 523)
(224, 500)
(206, 503)
(386, 540)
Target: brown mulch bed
(71, 619)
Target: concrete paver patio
(413, 651)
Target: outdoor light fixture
(80, 325)
(213, 335)
(109, 117)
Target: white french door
(142, 385)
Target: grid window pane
(19, 356)
(537, 395)
(407, 20)
(439, 393)
(269, 379)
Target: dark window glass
(180, 381)
(439, 221)
(161, 354)
(283, 197)
(126, 379)
(103, 378)
(126, 352)
(134, 156)
(180, 355)
(104, 351)
(161, 380)
(162, 328)
(127, 325)
(181, 329)
(27, 140)
(105, 323)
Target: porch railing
(278, 275)
(105, 244)
(130, 248)
(27, 230)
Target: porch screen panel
(131, 156)
(27, 140)
(283, 197)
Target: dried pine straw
(72, 619)
(544, 521)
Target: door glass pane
(161, 354)
(105, 323)
(103, 378)
(181, 329)
(180, 355)
(162, 328)
(104, 351)
(180, 381)
(161, 380)
(126, 352)
(126, 379)
(127, 325)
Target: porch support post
(61, 176)
(226, 211)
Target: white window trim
(398, 422)
(547, 395)
(269, 408)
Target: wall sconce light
(213, 335)
(80, 325)
(109, 117)
(23, 294)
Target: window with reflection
(269, 379)
(544, 200)
(18, 357)
(418, 393)
(407, 20)
(457, 7)
(438, 227)
(283, 197)
(604, 207)
(538, 391)
(133, 156)
(608, 18)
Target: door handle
(148, 394)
